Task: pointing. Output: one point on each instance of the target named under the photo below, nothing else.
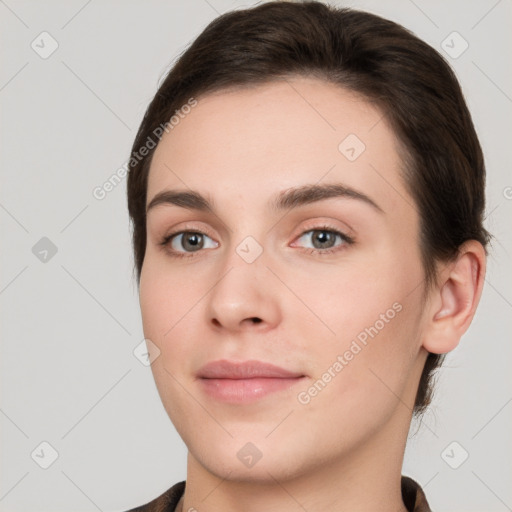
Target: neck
(367, 478)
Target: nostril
(253, 319)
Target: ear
(454, 299)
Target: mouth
(246, 381)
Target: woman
(306, 191)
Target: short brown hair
(411, 83)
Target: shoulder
(166, 502)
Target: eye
(188, 242)
(323, 240)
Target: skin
(343, 450)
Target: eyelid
(346, 240)
(327, 224)
(189, 227)
(311, 225)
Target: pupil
(323, 238)
(193, 241)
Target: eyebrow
(287, 199)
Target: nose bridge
(243, 291)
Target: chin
(226, 466)
(253, 458)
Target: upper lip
(224, 369)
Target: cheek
(354, 299)
(361, 379)
(168, 305)
(170, 308)
(365, 338)
(374, 365)
(166, 299)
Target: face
(279, 231)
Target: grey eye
(191, 241)
(321, 239)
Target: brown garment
(412, 495)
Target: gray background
(71, 322)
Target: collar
(413, 496)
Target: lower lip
(246, 390)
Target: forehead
(253, 141)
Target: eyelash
(345, 238)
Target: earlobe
(455, 298)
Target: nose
(244, 298)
